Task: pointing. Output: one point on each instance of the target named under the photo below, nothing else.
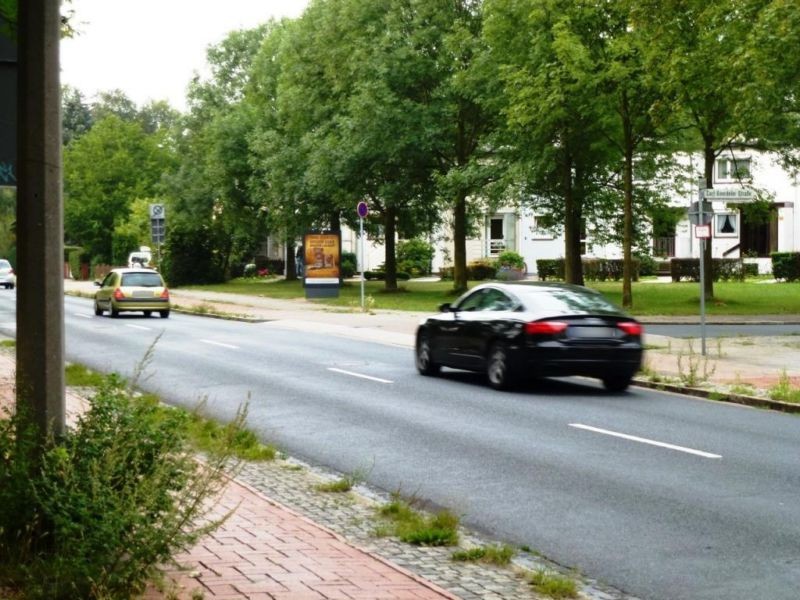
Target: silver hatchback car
(7, 277)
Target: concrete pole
(40, 245)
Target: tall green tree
(105, 170)
(209, 197)
(76, 114)
(552, 109)
(693, 50)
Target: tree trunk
(390, 265)
(708, 263)
(627, 234)
(573, 270)
(336, 221)
(460, 243)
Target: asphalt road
(663, 496)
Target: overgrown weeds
(96, 513)
(784, 391)
(415, 527)
(696, 369)
(553, 585)
(493, 554)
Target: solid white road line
(343, 372)
(641, 440)
(213, 343)
(142, 327)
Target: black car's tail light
(545, 327)
(631, 327)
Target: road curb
(718, 396)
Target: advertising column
(322, 252)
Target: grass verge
(553, 585)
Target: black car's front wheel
(617, 383)
(424, 355)
(499, 371)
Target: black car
(533, 330)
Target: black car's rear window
(141, 280)
(564, 301)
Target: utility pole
(40, 226)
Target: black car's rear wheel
(114, 312)
(617, 383)
(98, 312)
(147, 313)
(424, 356)
(499, 370)
(164, 314)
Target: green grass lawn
(649, 297)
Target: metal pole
(361, 240)
(702, 277)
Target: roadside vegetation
(399, 518)
(100, 512)
(670, 299)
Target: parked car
(125, 290)
(7, 277)
(532, 329)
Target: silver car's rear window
(141, 280)
(4, 264)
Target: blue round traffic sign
(362, 209)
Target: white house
(732, 235)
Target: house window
(726, 225)
(733, 169)
(542, 228)
(497, 241)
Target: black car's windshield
(141, 280)
(565, 301)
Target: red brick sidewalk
(267, 551)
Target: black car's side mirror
(445, 307)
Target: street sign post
(158, 218)
(362, 209)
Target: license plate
(592, 332)
(143, 294)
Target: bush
(381, 275)
(724, 269)
(648, 266)
(414, 257)
(550, 268)
(349, 264)
(481, 269)
(786, 265)
(511, 260)
(97, 514)
(602, 269)
(446, 273)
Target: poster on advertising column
(322, 265)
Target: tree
(208, 195)
(76, 116)
(552, 113)
(105, 170)
(694, 47)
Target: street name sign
(729, 194)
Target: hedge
(594, 269)
(786, 265)
(724, 269)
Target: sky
(150, 49)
